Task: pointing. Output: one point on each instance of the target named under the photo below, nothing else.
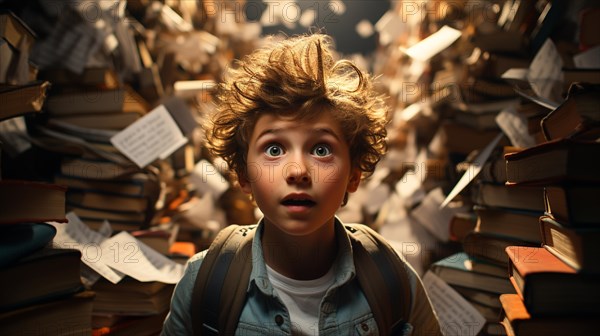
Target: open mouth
(298, 202)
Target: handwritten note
(154, 136)
(456, 315)
(126, 254)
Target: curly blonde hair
(299, 78)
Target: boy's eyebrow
(325, 130)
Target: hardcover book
(548, 286)
(518, 321)
(554, 162)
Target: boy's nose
(297, 172)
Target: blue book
(462, 270)
(20, 240)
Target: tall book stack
(503, 214)
(571, 129)
(566, 265)
(37, 297)
(99, 75)
(83, 112)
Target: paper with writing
(155, 135)
(472, 171)
(433, 44)
(455, 314)
(515, 128)
(75, 234)
(125, 253)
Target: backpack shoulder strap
(383, 277)
(220, 288)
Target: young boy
(300, 130)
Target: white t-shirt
(302, 299)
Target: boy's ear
(244, 184)
(354, 181)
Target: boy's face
(298, 171)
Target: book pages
(589, 59)
(390, 26)
(473, 170)
(75, 234)
(455, 314)
(207, 179)
(433, 44)
(515, 128)
(545, 72)
(128, 255)
(432, 216)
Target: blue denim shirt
(344, 308)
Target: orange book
(548, 286)
(183, 248)
(518, 321)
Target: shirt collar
(343, 266)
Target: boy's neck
(300, 257)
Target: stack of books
(551, 298)
(83, 112)
(130, 307)
(37, 296)
(565, 267)
(484, 104)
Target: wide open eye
(273, 150)
(321, 150)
